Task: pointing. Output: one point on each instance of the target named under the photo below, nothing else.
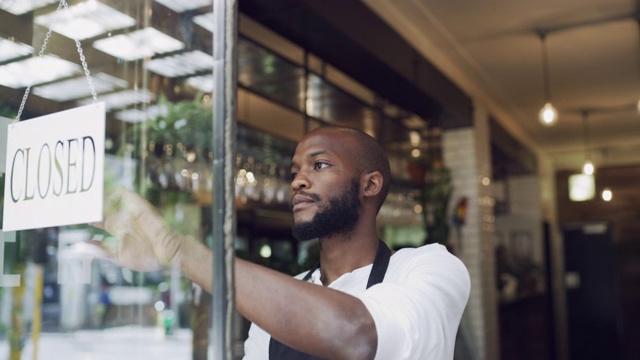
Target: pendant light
(548, 114)
(582, 186)
(607, 193)
(587, 168)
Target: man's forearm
(196, 262)
(311, 318)
(307, 317)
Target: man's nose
(299, 182)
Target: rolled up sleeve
(417, 312)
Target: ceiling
(488, 50)
(492, 50)
(171, 40)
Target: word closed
(63, 168)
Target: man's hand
(142, 239)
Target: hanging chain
(83, 60)
(41, 53)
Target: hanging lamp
(587, 168)
(548, 114)
(582, 186)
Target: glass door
(151, 63)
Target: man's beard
(339, 217)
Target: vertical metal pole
(223, 212)
(305, 89)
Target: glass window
(151, 64)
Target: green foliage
(435, 200)
(7, 111)
(178, 137)
(189, 123)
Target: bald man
(362, 302)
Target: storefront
(202, 111)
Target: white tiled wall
(467, 155)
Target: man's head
(339, 174)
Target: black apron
(280, 351)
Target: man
(369, 304)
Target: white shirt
(417, 308)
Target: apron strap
(380, 264)
(280, 351)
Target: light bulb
(588, 168)
(265, 251)
(607, 195)
(414, 138)
(548, 114)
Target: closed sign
(55, 169)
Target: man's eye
(319, 165)
(293, 175)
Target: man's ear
(372, 184)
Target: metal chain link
(83, 60)
(85, 67)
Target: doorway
(592, 292)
